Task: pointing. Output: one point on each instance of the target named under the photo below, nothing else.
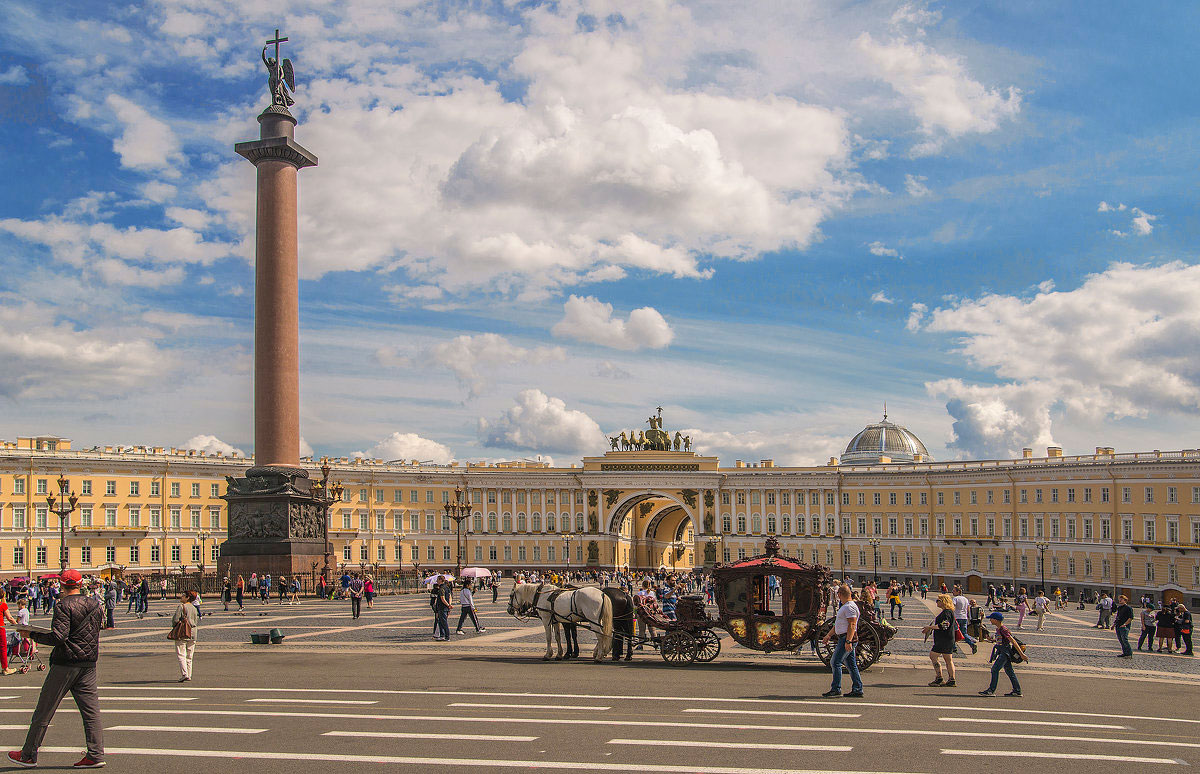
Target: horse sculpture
(556, 606)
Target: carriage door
(799, 600)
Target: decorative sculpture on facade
(654, 439)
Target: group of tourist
(235, 590)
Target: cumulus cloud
(915, 316)
(145, 143)
(796, 448)
(210, 444)
(1141, 223)
(915, 185)
(468, 357)
(879, 297)
(16, 75)
(1121, 344)
(591, 320)
(938, 90)
(409, 446)
(610, 370)
(882, 250)
(538, 422)
(305, 449)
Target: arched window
(507, 523)
(786, 525)
(756, 523)
(741, 524)
(477, 523)
(520, 522)
(535, 524)
(579, 522)
(550, 523)
(770, 525)
(491, 522)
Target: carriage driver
(846, 629)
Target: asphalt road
(378, 694)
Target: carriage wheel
(678, 647)
(867, 649)
(824, 649)
(709, 645)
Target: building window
(1126, 494)
(891, 498)
(1023, 496)
(110, 554)
(957, 497)
(875, 498)
(1149, 526)
(508, 553)
(974, 497)
(862, 498)
(924, 499)
(786, 525)
(741, 498)
(1070, 494)
(1087, 494)
(175, 553)
(195, 490)
(1054, 495)
(755, 498)
(445, 553)
(1037, 495)
(134, 488)
(110, 488)
(18, 555)
(429, 553)
(908, 498)
(40, 556)
(175, 489)
(1149, 572)
(1007, 499)
(346, 553)
(741, 524)
(1149, 494)
(155, 553)
(724, 498)
(195, 554)
(110, 516)
(85, 517)
(40, 517)
(135, 554)
(19, 486)
(1024, 564)
(770, 525)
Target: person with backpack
(356, 591)
(1006, 652)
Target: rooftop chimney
(1027, 453)
(1053, 451)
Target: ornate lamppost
(63, 504)
(1041, 547)
(203, 536)
(400, 536)
(875, 547)
(326, 495)
(458, 510)
(567, 549)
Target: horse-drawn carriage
(768, 602)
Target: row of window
(523, 553)
(1069, 494)
(86, 517)
(42, 486)
(134, 554)
(429, 522)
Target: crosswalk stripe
(1064, 756)
(530, 706)
(318, 701)
(414, 735)
(1007, 722)
(147, 698)
(731, 745)
(460, 763)
(187, 729)
(784, 713)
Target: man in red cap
(75, 635)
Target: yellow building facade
(1102, 521)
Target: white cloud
(610, 370)
(1140, 223)
(14, 76)
(790, 448)
(915, 185)
(467, 357)
(408, 446)
(879, 297)
(538, 422)
(389, 357)
(210, 444)
(915, 316)
(591, 320)
(880, 249)
(305, 449)
(145, 143)
(938, 90)
(1122, 344)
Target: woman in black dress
(1166, 628)
(943, 629)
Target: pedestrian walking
(227, 593)
(1166, 628)
(1122, 624)
(6, 616)
(1183, 629)
(162, 589)
(924, 590)
(184, 625)
(1022, 606)
(1007, 648)
(442, 603)
(110, 605)
(1040, 607)
(942, 628)
(1104, 605)
(467, 604)
(75, 635)
(241, 593)
(845, 628)
(144, 594)
(283, 587)
(369, 591)
(355, 590)
(495, 590)
(1149, 624)
(962, 608)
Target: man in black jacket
(1124, 621)
(75, 635)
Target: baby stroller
(23, 652)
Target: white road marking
(637, 723)
(188, 729)
(1064, 756)
(531, 706)
(731, 745)
(460, 763)
(777, 712)
(319, 701)
(1008, 722)
(614, 697)
(147, 698)
(9, 697)
(412, 735)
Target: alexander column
(275, 523)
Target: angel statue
(282, 78)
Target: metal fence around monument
(211, 586)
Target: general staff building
(1128, 521)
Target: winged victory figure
(281, 81)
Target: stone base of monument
(276, 525)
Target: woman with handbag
(944, 629)
(184, 624)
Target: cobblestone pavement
(1066, 642)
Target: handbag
(958, 635)
(181, 630)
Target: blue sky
(532, 222)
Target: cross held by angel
(281, 78)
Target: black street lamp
(567, 549)
(458, 510)
(62, 504)
(1041, 547)
(203, 536)
(326, 495)
(875, 547)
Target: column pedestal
(276, 526)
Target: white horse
(555, 606)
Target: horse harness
(575, 617)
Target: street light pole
(875, 547)
(326, 495)
(1041, 547)
(63, 505)
(567, 550)
(458, 510)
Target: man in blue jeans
(1124, 621)
(1006, 648)
(845, 628)
(962, 609)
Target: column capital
(277, 149)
